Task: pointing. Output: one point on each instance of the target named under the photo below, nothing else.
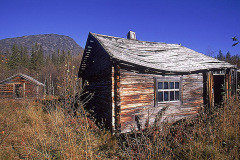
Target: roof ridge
(25, 77)
(157, 55)
(102, 35)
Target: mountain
(49, 42)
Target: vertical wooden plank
(155, 92)
(117, 97)
(212, 93)
(228, 85)
(235, 82)
(210, 89)
(13, 90)
(181, 90)
(113, 101)
(23, 90)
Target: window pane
(160, 96)
(165, 85)
(166, 96)
(171, 85)
(176, 85)
(160, 85)
(176, 95)
(172, 96)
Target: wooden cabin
(21, 86)
(133, 83)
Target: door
(218, 89)
(19, 90)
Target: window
(167, 90)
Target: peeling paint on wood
(137, 98)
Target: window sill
(168, 102)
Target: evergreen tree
(62, 57)
(69, 57)
(228, 57)
(58, 57)
(14, 59)
(40, 56)
(47, 60)
(220, 56)
(33, 59)
(25, 58)
(54, 58)
(37, 57)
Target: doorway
(218, 89)
(19, 90)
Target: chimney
(131, 35)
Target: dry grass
(27, 131)
(214, 135)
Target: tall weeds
(209, 136)
(29, 131)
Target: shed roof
(160, 56)
(28, 78)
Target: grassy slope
(28, 131)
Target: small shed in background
(21, 86)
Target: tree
(24, 57)
(33, 59)
(69, 56)
(14, 59)
(40, 56)
(54, 58)
(62, 57)
(37, 57)
(58, 56)
(220, 56)
(228, 57)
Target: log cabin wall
(136, 96)
(137, 99)
(19, 87)
(96, 73)
(98, 98)
(193, 98)
(6, 91)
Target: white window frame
(168, 90)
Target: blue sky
(202, 25)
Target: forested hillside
(37, 62)
(50, 43)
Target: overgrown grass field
(30, 131)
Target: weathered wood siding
(136, 96)
(28, 90)
(192, 94)
(96, 70)
(6, 91)
(137, 99)
(98, 97)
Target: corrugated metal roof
(160, 56)
(28, 78)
